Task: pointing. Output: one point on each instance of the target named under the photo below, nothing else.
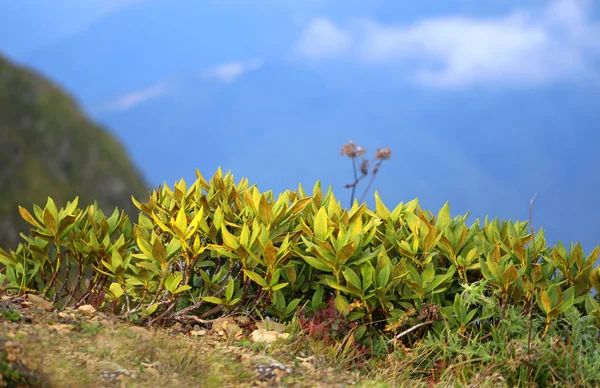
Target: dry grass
(70, 349)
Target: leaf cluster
(220, 246)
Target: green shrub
(401, 276)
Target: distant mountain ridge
(48, 147)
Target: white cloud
(226, 72)
(229, 72)
(131, 99)
(323, 39)
(524, 47)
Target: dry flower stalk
(354, 151)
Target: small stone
(40, 302)
(223, 324)
(197, 333)
(87, 310)
(267, 336)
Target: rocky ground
(87, 348)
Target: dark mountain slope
(49, 148)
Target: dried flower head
(383, 153)
(352, 150)
(364, 167)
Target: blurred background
(483, 104)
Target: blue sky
(483, 103)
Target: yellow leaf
(264, 209)
(270, 254)
(50, 222)
(28, 217)
(429, 240)
(195, 222)
(298, 206)
(181, 220)
(164, 227)
(229, 239)
(545, 302)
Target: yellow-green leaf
(429, 240)
(443, 217)
(150, 266)
(51, 207)
(71, 207)
(264, 210)
(202, 181)
(519, 250)
(229, 239)
(279, 286)
(50, 221)
(116, 259)
(270, 254)
(182, 289)
(173, 247)
(318, 264)
(256, 278)
(321, 225)
(195, 223)
(116, 290)
(383, 276)
(159, 252)
(218, 218)
(229, 289)
(212, 299)
(144, 246)
(161, 224)
(381, 210)
(291, 274)
(28, 217)
(245, 236)
(341, 304)
(181, 221)
(352, 278)
(509, 276)
(151, 309)
(299, 205)
(346, 252)
(317, 193)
